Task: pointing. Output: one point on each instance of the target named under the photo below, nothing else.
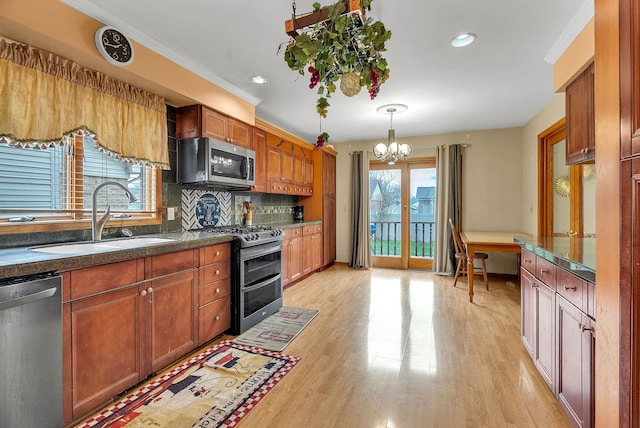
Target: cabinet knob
(217, 290)
(528, 261)
(217, 253)
(143, 293)
(217, 317)
(574, 288)
(217, 271)
(533, 284)
(149, 290)
(543, 271)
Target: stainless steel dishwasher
(31, 352)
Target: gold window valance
(46, 99)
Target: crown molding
(577, 24)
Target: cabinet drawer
(571, 288)
(214, 272)
(292, 233)
(214, 253)
(215, 319)
(165, 264)
(214, 291)
(98, 279)
(528, 260)
(310, 230)
(546, 272)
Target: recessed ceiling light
(259, 80)
(463, 39)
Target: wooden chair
(461, 256)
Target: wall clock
(114, 46)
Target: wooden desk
(501, 242)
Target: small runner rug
(216, 388)
(277, 331)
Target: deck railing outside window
(386, 238)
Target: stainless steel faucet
(98, 224)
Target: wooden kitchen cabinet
(127, 320)
(106, 324)
(321, 205)
(292, 255)
(538, 333)
(629, 80)
(200, 121)
(287, 165)
(575, 362)
(558, 333)
(214, 292)
(329, 207)
(311, 248)
(260, 147)
(580, 118)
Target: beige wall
(550, 114)
(492, 184)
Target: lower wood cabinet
(575, 342)
(311, 248)
(124, 321)
(292, 255)
(214, 292)
(558, 332)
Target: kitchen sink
(91, 247)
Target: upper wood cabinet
(629, 78)
(260, 147)
(200, 121)
(580, 124)
(289, 167)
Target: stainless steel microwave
(208, 162)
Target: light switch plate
(171, 213)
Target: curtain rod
(464, 146)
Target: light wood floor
(404, 349)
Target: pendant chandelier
(392, 151)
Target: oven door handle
(260, 250)
(262, 284)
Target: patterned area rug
(216, 388)
(277, 331)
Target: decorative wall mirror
(566, 193)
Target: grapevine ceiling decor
(338, 43)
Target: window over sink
(53, 186)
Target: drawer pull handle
(583, 327)
(574, 288)
(534, 285)
(543, 271)
(527, 261)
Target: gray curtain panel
(448, 203)
(360, 244)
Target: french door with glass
(402, 213)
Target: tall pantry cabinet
(322, 204)
(629, 15)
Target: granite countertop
(22, 261)
(577, 255)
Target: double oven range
(256, 273)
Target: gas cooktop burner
(249, 235)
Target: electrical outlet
(171, 213)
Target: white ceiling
(502, 80)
